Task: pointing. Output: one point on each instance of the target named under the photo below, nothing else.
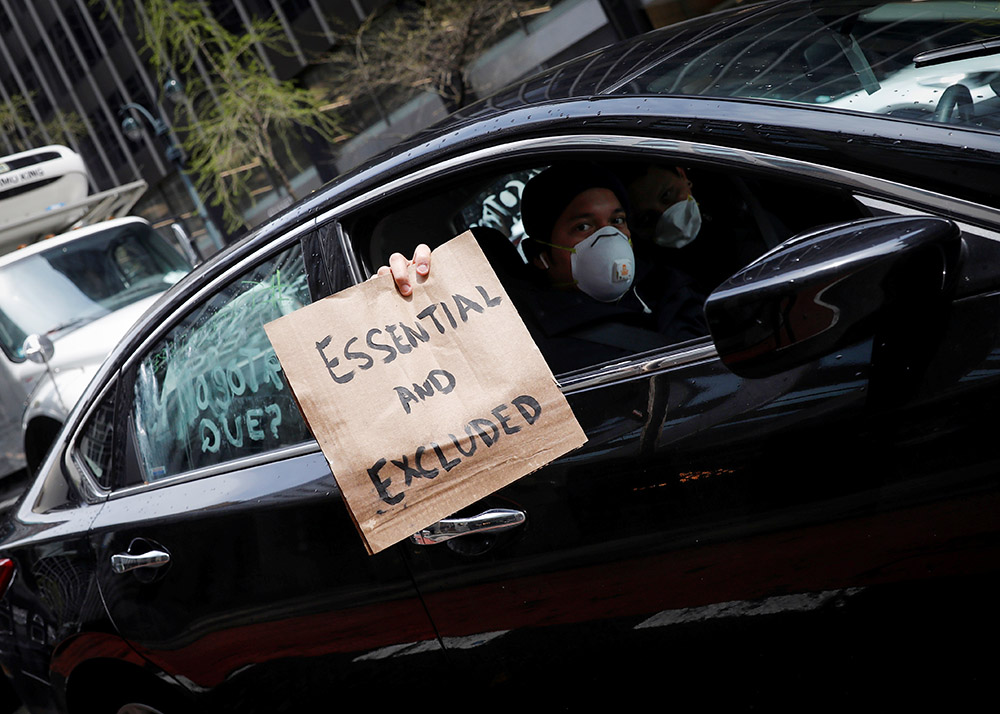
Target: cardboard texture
(423, 404)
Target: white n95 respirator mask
(603, 264)
(678, 225)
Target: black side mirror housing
(823, 290)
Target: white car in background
(64, 303)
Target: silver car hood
(88, 345)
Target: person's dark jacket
(573, 330)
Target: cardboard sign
(423, 404)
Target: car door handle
(124, 562)
(495, 519)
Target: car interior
(743, 216)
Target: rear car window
(212, 390)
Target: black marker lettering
(348, 354)
(377, 346)
(424, 473)
(415, 335)
(464, 304)
(498, 413)
(404, 349)
(429, 312)
(382, 485)
(409, 473)
(478, 424)
(424, 390)
(472, 443)
(435, 378)
(405, 397)
(523, 403)
(331, 363)
(490, 302)
(445, 463)
(447, 312)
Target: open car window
(742, 217)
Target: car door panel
(797, 494)
(249, 567)
(264, 568)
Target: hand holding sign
(399, 267)
(423, 403)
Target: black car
(799, 509)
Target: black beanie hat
(546, 195)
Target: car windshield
(888, 59)
(73, 283)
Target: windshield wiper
(966, 50)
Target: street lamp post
(133, 130)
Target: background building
(67, 67)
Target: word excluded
(486, 430)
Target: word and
(482, 430)
(437, 379)
(400, 338)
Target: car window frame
(653, 149)
(616, 145)
(140, 348)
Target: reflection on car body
(803, 502)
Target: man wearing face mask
(591, 300)
(709, 239)
(665, 212)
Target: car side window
(212, 390)
(739, 217)
(97, 439)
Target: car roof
(612, 69)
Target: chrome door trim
(639, 366)
(267, 457)
(613, 143)
(877, 204)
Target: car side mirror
(824, 290)
(187, 245)
(38, 348)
